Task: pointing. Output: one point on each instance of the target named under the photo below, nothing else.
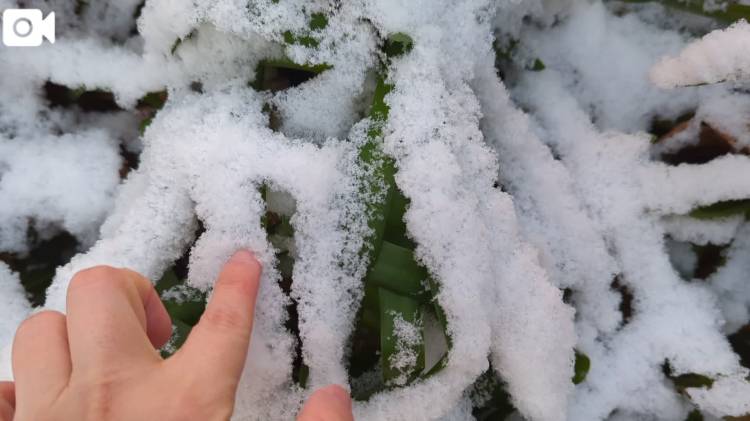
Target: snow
(13, 305)
(599, 53)
(718, 57)
(730, 282)
(435, 137)
(557, 224)
(520, 186)
(659, 330)
(408, 335)
(728, 114)
(727, 396)
(67, 180)
(677, 190)
(703, 231)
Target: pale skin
(101, 360)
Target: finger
(7, 401)
(6, 411)
(8, 393)
(158, 321)
(114, 313)
(331, 403)
(40, 357)
(218, 344)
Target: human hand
(100, 361)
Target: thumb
(331, 403)
(217, 346)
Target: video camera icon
(26, 28)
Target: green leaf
(144, 124)
(379, 109)
(380, 186)
(268, 69)
(492, 400)
(538, 66)
(289, 37)
(689, 380)
(180, 333)
(395, 227)
(308, 41)
(37, 268)
(582, 367)
(286, 264)
(398, 44)
(154, 100)
(395, 270)
(302, 375)
(395, 284)
(394, 310)
(318, 21)
(286, 63)
(179, 41)
(694, 415)
(188, 311)
(505, 52)
(304, 40)
(183, 303)
(285, 227)
(722, 209)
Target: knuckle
(98, 398)
(40, 321)
(98, 277)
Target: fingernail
(243, 256)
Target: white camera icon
(26, 28)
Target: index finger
(217, 346)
